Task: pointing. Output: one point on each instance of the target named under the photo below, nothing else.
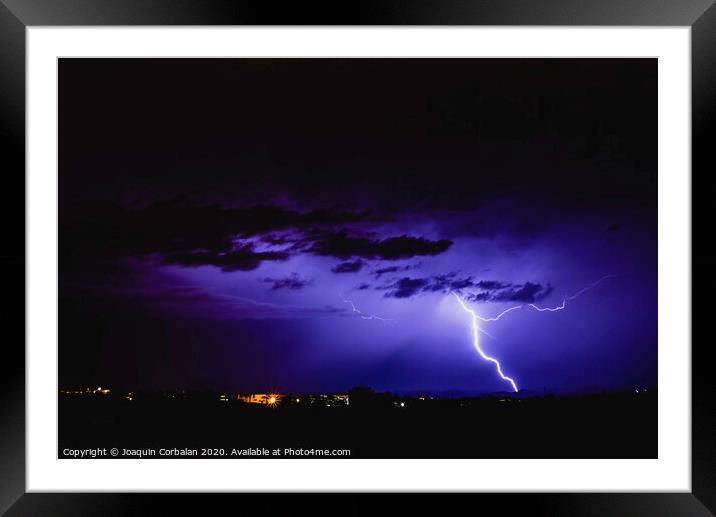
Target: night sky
(215, 214)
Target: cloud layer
(476, 291)
(228, 238)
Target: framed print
(413, 249)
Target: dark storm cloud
(418, 144)
(240, 259)
(448, 282)
(406, 287)
(528, 292)
(390, 269)
(184, 234)
(292, 282)
(460, 283)
(191, 236)
(349, 267)
(492, 291)
(179, 226)
(278, 240)
(393, 269)
(342, 245)
(491, 285)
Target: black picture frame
(17, 15)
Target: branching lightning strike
(476, 328)
(476, 342)
(571, 297)
(365, 316)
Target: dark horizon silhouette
(369, 425)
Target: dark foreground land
(601, 426)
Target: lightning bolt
(476, 341)
(571, 297)
(365, 316)
(499, 315)
(476, 328)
